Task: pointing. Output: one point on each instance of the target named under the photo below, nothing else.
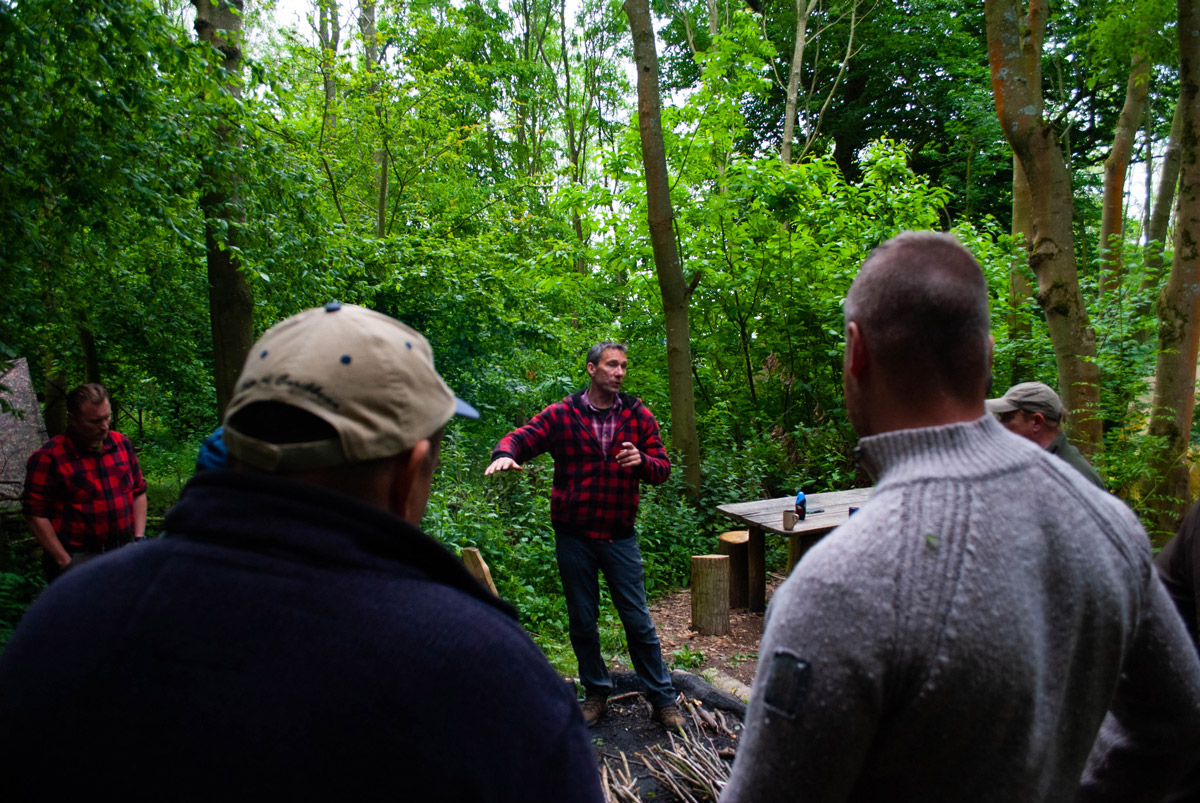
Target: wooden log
(736, 544)
(710, 594)
(476, 565)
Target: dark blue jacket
(283, 642)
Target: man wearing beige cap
(295, 635)
(1034, 411)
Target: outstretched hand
(502, 464)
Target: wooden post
(757, 569)
(476, 565)
(710, 594)
(736, 544)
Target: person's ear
(591, 368)
(410, 484)
(1038, 420)
(856, 351)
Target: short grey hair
(921, 300)
(597, 351)
(91, 393)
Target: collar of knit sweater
(972, 448)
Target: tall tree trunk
(1158, 214)
(576, 125)
(1148, 160)
(793, 87)
(55, 392)
(370, 36)
(1164, 200)
(1179, 304)
(55, 380)
(91, 355)
(1052, 257)
(675, 292)
(1020, 291)
(1020, 288)
(1112, 215)
(535, 16)
(329, 32)
(230, 306)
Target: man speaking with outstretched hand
(605, 443)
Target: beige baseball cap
(1032, 397)
(368, 376)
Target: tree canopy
(475, 170)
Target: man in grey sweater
(962, 637)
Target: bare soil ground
(735, 655)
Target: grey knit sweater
(962, 636)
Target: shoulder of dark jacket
(403, 542)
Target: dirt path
(735, 655)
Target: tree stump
(736, 544)
(710, 594)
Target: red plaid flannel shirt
(591, 493)
(87, 497)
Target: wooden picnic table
(766, 516)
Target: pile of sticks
(691, 767)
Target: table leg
(798, 546)
(757, 565)
(795, 552)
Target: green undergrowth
(507, 517)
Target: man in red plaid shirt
(84, 491)
(604, 444)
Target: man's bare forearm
(139, 516)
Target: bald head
(920, 302)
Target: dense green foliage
(511, 229)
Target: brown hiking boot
(594, 707)
(670, 717)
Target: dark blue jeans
(580, 560)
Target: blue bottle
(801, 506)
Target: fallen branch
(723, 724)
(619, 784)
